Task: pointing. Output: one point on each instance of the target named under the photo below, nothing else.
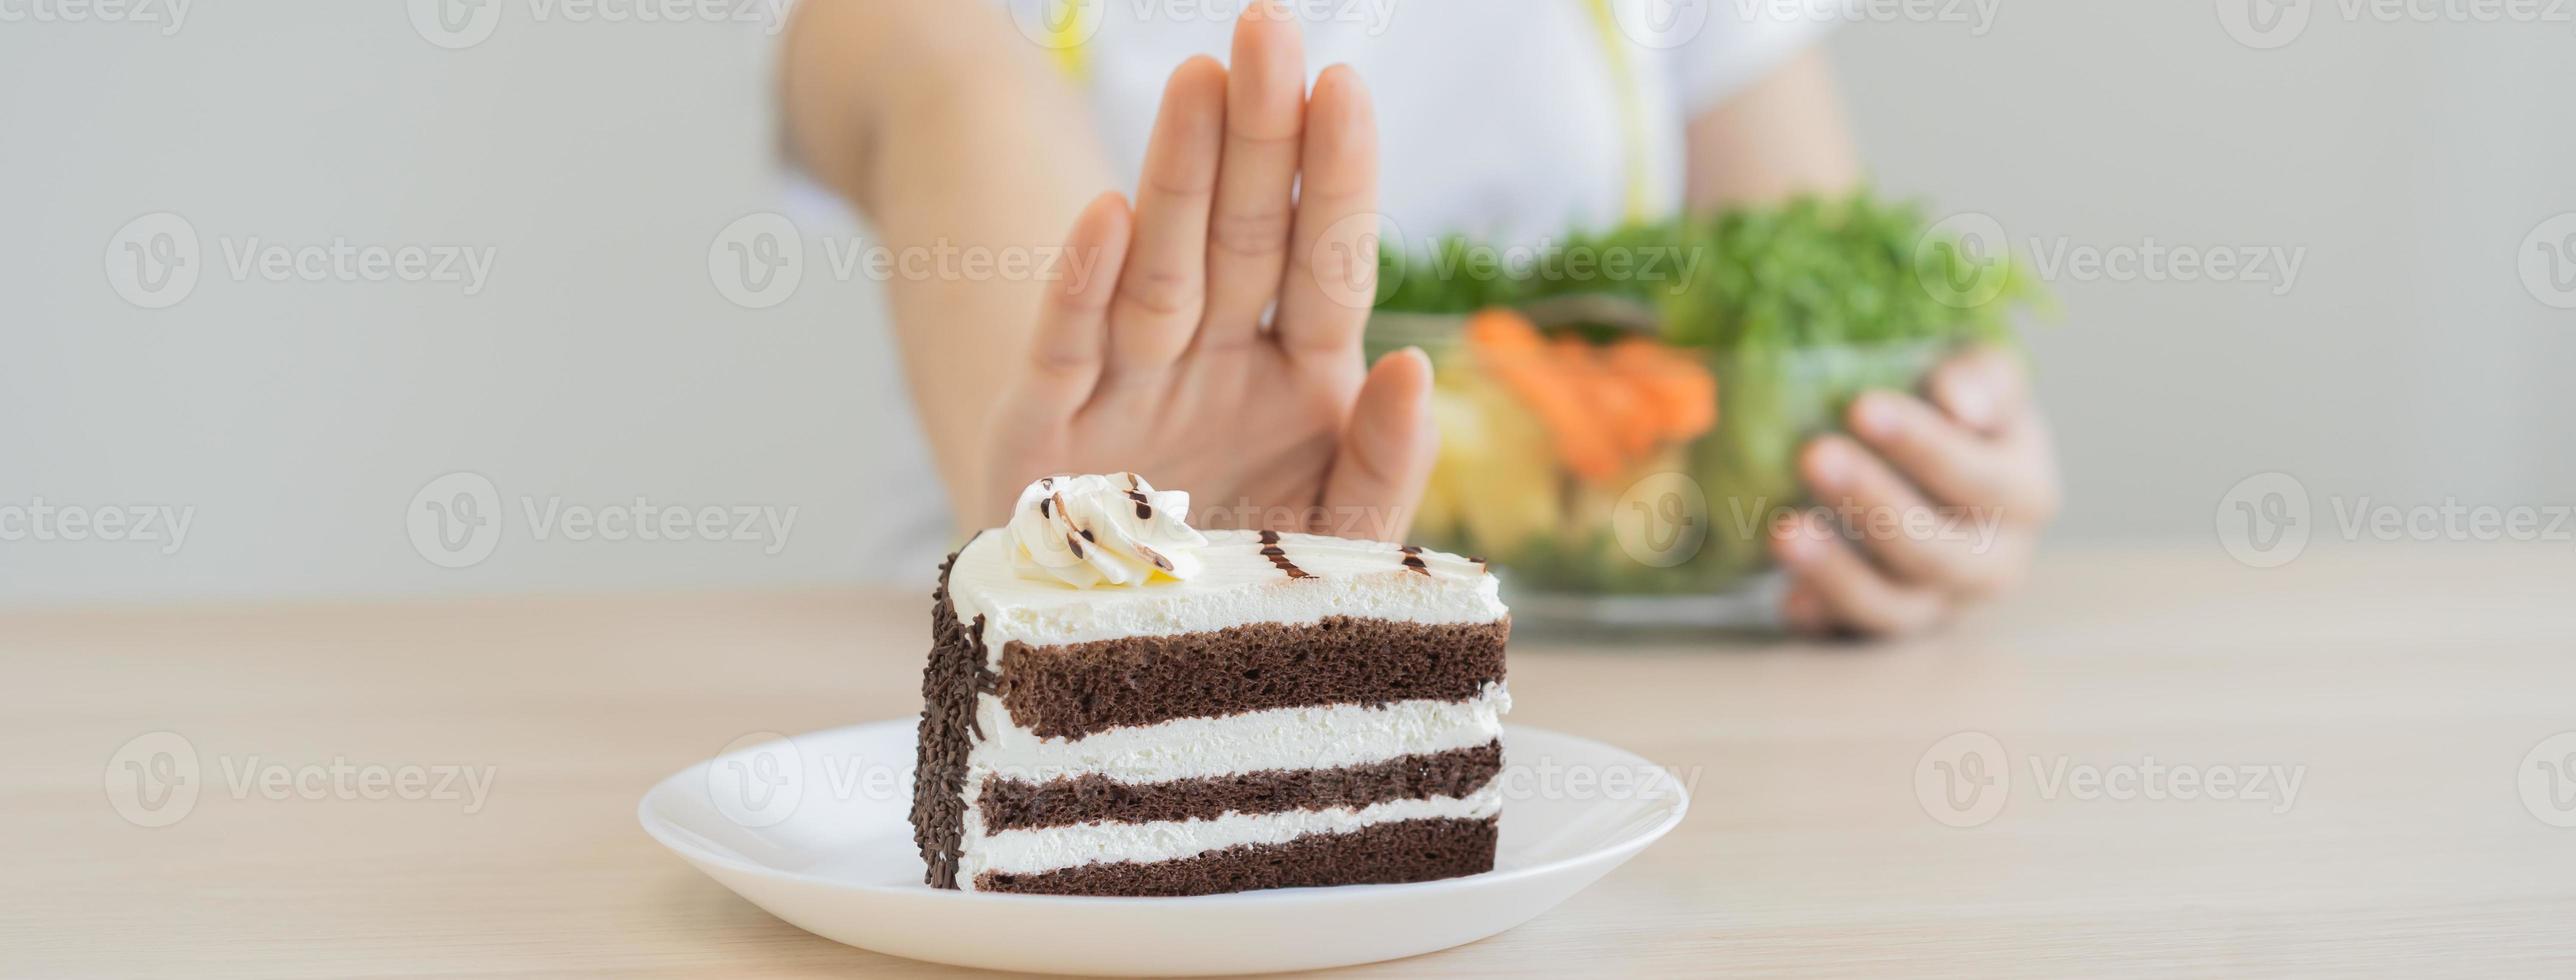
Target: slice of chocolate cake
(1120, 705)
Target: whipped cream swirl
(1088, 531)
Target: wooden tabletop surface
(448, 788)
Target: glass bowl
(1673, 536)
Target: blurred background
(527, 214)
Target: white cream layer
(1236, 586)
(1051, 848)
(1319, 737)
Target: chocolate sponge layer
(1396, 851)
(1078, 689)
(1011, 804)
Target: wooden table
(2407, 687)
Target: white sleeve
(1715, 48)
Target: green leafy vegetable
(1808, 273)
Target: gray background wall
(2407, 163)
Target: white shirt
(1506, 120)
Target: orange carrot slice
(1679, 387)
(1630, 420)
(1510, 349)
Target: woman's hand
(1934, 506)
(1254, 198)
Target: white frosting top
(1311, 577)
(1087, 531)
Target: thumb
(1386, 452)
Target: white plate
(814, 829)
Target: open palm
(1256, 199)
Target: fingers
(1386, 450)
(2009, 475)
(1957, 550)
(1850, 591)
(1803, 611)
(1332, 275)
(1065, 354)
(1985, 389)
(1162, 292)
(1265, 117)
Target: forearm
(1784, 136)
(948, 132)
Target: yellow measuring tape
(1069, 25)
(1632, 113)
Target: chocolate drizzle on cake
(1413, 559)
(1155, 556)
(1279, 556)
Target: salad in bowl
(1620, 413)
